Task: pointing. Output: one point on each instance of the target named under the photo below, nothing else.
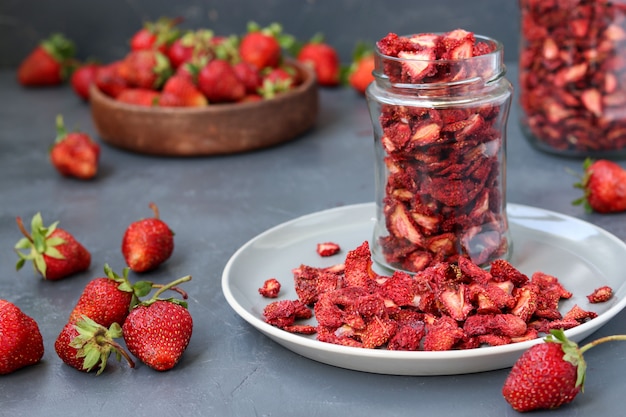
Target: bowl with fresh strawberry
(202, 94)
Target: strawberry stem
(155, 209)
(182, 292)
(602, 340)
(20, 225)
(171, 285)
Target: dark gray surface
(101, 29)
(215, 205)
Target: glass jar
(572, 76)
(440, 159)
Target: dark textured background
(101, 29)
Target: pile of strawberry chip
(444, 187)
(447, 306)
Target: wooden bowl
(215, 129)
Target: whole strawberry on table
(21, 343)
(157, 331)
(549, 375)
(604, 185)
(74, 154)
(54, 252)
(50, 63)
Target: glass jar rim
(498, 48)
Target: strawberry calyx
(63, 51)
(138, 289)
(164, 29)
(95, 343)
(60, 128)
(274, 30)
(574, 354)
(38, 242)
(571, 354)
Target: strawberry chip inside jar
(439, 107)
(572, 74)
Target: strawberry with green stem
(156, 35)
(55, 253)
(323, 59)
(74, 154)
(147, 243)
(550, 374)
(50, 63)
(359, 75)
(145, 68)
(262, 47)
(21, 343)
(604, 187)
(86, 344)
(157, 331)
(107, 300)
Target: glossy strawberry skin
(66, 352)
(361, 76)
(541, 379)
(219, 83)
(145, 69)
(324, 59)
(260, 49)
(76, 257)
(158, 334)
(605, 187)
(82, 79)
(180, 91)
(103, 302)
(50, 63)
(139, 96)
(21, 343)
(109, 81)
(76, 155)
(147, 243)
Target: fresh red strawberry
(262, 47)
(549, 375)
(158, 331)
(21, 343)
(109, 81)
(139, 96)
(74, 154)
(107, 300)
(82, 78)
(604, 186)
(156, 35)
(360, 72)
(55, 253)
(86, 344)
(145, 69)
(219, 83)
(191, 46)
(324, 60)
(147, 243)
(180, 91)
(249, 76)
(50, 63)
(276, 81)
(180, 51)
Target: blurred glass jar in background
(572, 74)
(439, 111)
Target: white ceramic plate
(583, 257)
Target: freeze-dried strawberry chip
(446, 306)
